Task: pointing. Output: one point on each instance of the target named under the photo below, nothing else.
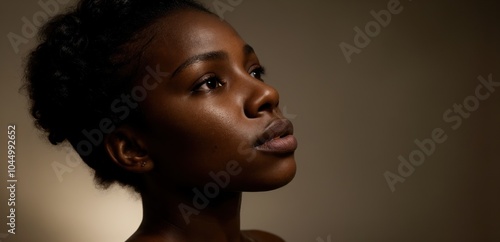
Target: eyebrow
(248, 50)
(210, 56)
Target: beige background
(352, 122)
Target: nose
(263, 98)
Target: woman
(164, 97)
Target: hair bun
(67, 32)
(56, 67)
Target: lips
(277, 138)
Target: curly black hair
(87, 58)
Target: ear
(128, 150)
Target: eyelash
(259, 71)
(205, 82)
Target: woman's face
(213, 111)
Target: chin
(277, 177)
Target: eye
(258, 72)
(209, 83)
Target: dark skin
(206, 114)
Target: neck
(191, 215)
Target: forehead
(186, 33)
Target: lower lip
(283, 145)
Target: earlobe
(127, 149)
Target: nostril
(265, 107)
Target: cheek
(188, 140)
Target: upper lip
(278, 128)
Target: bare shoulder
(262, 236)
